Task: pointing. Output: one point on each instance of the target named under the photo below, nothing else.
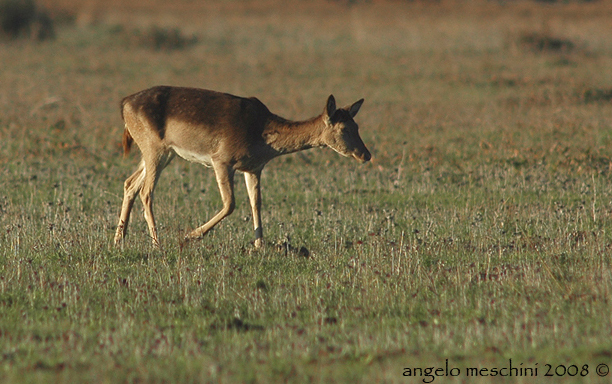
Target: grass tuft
(596, 95)
(545, 42)
(22, 18)
(162, 39)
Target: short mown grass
(480, 232)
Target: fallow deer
(225, 132)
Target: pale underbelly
(194, 157)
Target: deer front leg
(225, 179)
(254, 190)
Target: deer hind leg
(254, 190)
(131, 187)
(154, 165)
(225, 179)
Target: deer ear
(355, 108)
(330, 108)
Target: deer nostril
(363, 156)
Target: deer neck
(286, 136)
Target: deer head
(342, 132)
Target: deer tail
(127, 140)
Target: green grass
(480, 232)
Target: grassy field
(479, 236)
